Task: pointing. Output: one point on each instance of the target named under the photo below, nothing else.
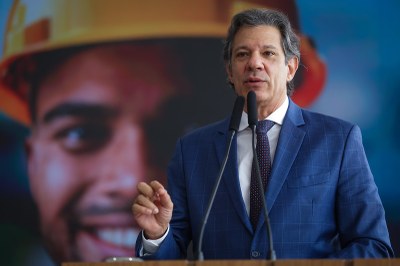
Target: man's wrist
(151, 246)
(150, 236)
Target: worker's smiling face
(88, 150)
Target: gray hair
(259, 17)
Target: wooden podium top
(283, 262)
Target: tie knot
(263, 126)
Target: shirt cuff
(150, 246)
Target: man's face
(87, 151)
(258, 64)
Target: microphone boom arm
(213, 194)
(272, 254)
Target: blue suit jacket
(321, 197)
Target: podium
(283, 262)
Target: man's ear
(293, 65)
(228, 72)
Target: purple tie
(264, 161)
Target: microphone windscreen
(252, 108)
(236, 114)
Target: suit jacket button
(255, 254)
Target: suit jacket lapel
(290, 139)
(230, 178)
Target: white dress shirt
(245, 150)
(245, 160)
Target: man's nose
(124, 163)
(255, 62)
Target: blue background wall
(359, 40)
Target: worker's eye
(83, 137)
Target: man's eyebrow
(240, 47)
(80, 110)
(268, 46)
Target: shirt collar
(277, 116)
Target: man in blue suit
(321, 197)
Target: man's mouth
(97, 244)
(124, 237)
(254, 80)
(101, 234)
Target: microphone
(252, 110)
(252, 118)
(236, 115)
(233, 128)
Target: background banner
(94, 94)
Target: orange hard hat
(39, 26)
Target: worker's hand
(152, 209)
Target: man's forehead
(266, 34)
(129, 57)
(107, 77)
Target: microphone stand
(252, 117)
(200, 255)
(272, 254)
(233, 128)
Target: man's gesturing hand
(152, 209)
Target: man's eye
(269, 53)
(84, 138)
(241, 54)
